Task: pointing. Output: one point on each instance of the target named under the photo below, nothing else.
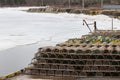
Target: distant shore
(110, 12)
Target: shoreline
(16, 58)
(109, 12)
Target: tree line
(55, 2)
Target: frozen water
(18, 27)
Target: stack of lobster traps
(94, 55)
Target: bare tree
(64, 3)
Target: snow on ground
(19, 28)
(26, 77)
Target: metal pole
(112, 23)
(83, 4)
(87, 26)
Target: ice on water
(18, 27)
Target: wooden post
(95, 27)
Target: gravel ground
(27, 77)
(98, 79)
